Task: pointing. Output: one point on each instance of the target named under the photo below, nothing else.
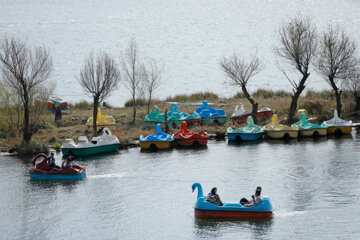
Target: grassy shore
(319, 105)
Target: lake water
(314, 186)
(188, 37)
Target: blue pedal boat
(207, 210)
(251, 132)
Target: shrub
(32, 149)
(239, 95)
(82, 105)
(57, 146)
(139, 102)
(270, 93)
(313, 108)
(200, 96)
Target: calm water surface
(188, 37)
(314, 186)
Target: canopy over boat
(303, 124)
(250, 128)
(205, 210)
(159, 136)
(337, 122)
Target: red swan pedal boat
(186, 138)
(41, 170)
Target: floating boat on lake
(186, 138)
(249, 133)
(207, 210)
(241, 115)
(42, 171)
(102, 121)
(337, 126)
(106, 142)
(276, 130)
(159, 140)
(307, 129)
(211, 115)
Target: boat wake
(110, 175)
(289, 214)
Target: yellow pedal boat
(102, 121)
(276, 130)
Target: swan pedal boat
(249, 133)
(207, 210)
(338, 126)
(211, 115)
(186, 138)
(307, 129)
(241, 115)
(104, 143)
(277, 131)
(42, 171)
(158, 140)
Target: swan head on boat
(275, 119)
(200, 190)
(158, 129)
(205, 104)
(106, 131)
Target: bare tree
(297, 47)
(352, 83)
(131, 71)
(151, 80)
(240, 72)
(99, 77)
(25, 71)
(336, 60)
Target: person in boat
(255, 199)
(68, 163)
(214, 198)
(51, 161)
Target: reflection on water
(313, 184)
(214, 229)
(244, 143)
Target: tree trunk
(166, 122)
(338, 102)
(253, 103)
(27, 134)
(149, 102)
(95, 112)
(295, 98)
(337, 94)
(293, 107)
(357, 102)
(134, 107)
